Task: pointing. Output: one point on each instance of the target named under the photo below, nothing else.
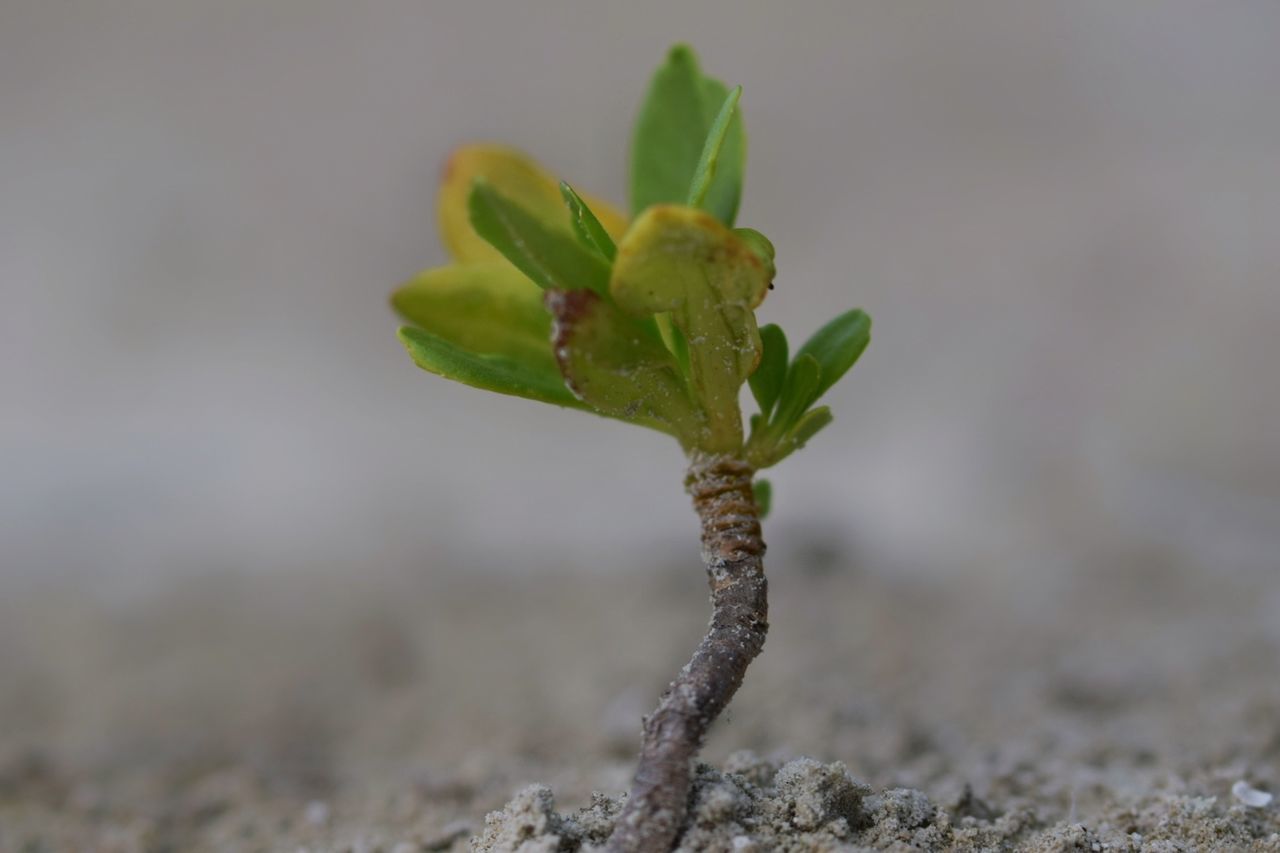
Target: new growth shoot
(556, 296)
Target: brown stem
(733, 551)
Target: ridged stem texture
(733, 553)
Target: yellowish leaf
(485, 308)
(518, 178)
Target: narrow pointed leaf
(517, 177)
(805, 428)
(725, 193)
(683, 261)
(837, 345)
(489, 372)
(619, 366)
(585, 224)
(809, 425)
(798, 392)
(550, 257)
(671, 129)
(709, 160)
(486, 308)
(771, 374)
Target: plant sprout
(556, 296)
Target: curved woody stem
(733, 552)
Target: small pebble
(1250, 796)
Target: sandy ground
(247, 592)
(1108, 707)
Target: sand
(803, 805)
(1130, 705)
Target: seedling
(555, 296)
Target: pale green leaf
(683, 261)
(759, 244)
(619, 366)
(487, 307)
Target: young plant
(555, 296)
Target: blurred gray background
(1063, 218)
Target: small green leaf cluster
(786, 390)
(556, 297)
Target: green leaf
(759, 244)
(490, 372)
(586, 225)
(795, 438)
(798, 392)
(808, 426)
(487, 307)
(763, 491)
(549, 256)
(837, 345)
(767, 381)
(671, 129)
(682, 261)
(518, 178)
(726, 188)
(709, 160)
(619, 366)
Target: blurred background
(228, 499)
